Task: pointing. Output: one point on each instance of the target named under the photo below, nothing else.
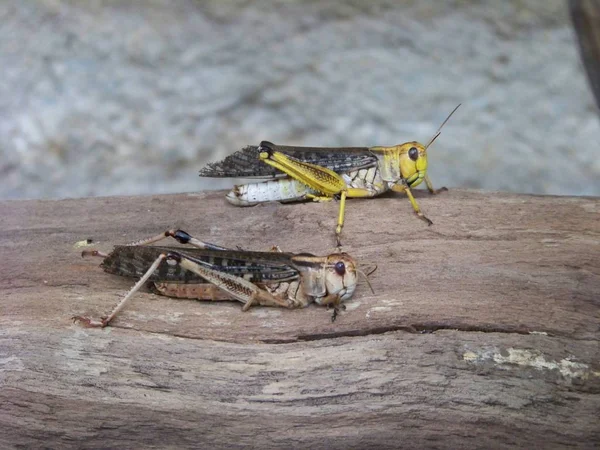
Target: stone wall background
(134, 97)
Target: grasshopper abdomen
(284, 189)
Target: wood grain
(483, 331)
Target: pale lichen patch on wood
(265, 313)
(377, 310)
(523, 357)
(567, 368)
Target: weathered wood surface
(483, 331)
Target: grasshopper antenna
(367, 278)
(372, 271)
(439, 131)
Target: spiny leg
(104, 322)
(318, 178)
(349, 193)
(341, 213)
(334, 301)
(241, 289)
(430, 187)
(340, 222)
(192, 291)
(180, 236)
(321, 179)
(413, 202)
(336, 311)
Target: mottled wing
(245, 163)
(135, 260)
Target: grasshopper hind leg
(180, 236)
(142, 281)
(191, 291)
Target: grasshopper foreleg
(430, 187)
(335, 302)
(404, 188)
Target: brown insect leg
(180, 236)
(105, 321)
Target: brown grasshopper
(212, 272)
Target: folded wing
(135, 260)
(246, 164)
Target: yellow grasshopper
(325, 173)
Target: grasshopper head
(340, 275)
(413, 162)
(323, 276)
(413, 157)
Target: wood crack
(416, 328)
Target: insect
(211, 272)
(325, 173)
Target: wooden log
(483, 331)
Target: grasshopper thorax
(413, 162)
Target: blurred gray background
(134, 97)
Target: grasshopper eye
(340, 268)
(413, 153)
